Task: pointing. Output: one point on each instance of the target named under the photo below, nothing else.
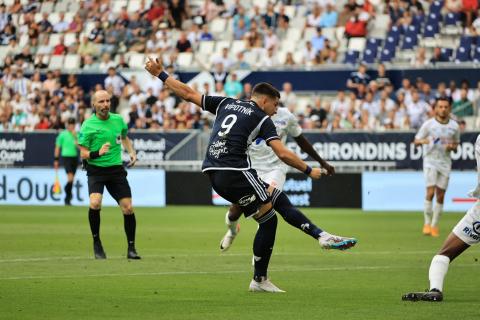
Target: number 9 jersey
(237, 124)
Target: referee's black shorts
(114, 178)
(241, 187)
(70, 164)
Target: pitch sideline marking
(167, 255)
(171, 273)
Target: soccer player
(441, 135)
(270, 168)
(237, 124)
(66, 146)
(463, 235)
(100, 140)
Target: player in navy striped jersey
(228, 166)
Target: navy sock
(94, 219)
(263, 244)
(130, 224)
(292, 215)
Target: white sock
(427, 212)
(232, 225)
(437, 272)
(437, 211)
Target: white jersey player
(441, 135)
(463, 235)
(269, 167)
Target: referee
(100, 140)
(66, 146)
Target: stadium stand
(60, 37)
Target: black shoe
(68, 202)
(98, 250)
(433, 295)
(132, 254)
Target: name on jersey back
(238, 108)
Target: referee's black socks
(263, 244)
(94, 219)
(68, 191)
(130, 224)
(292, 215)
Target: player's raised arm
(155, 68)
(290, 158)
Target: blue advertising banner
(390, 191)
(34, 187)
(36, 149)
(396, 147)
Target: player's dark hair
(265, 88)
(71, 121)
(441, 99)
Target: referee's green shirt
(67, 142)
(96, 132)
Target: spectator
(106, 63)
(114, 80)
(269, 60)
(417, 110)
(318, 41)
(240, 29)
(183, 44)
(341, 105)
(355, 27)
(97, 34)
(61, 26)
(314, 18)
(420, 59)
(60, 48)
(438, 56)
(156, 11)
(233, 87)
(87, 47)
(462, 107)
(240, 62)
(224, 59)
(308, 53)
(318, 114)
(177, 13)
(241, 15)
(289, 60)
(205, 35)
(287, 96)
(270, 17)
(44, 25)
(382, 79)
(270, 40)
(329, 17)
(219, 74)
(358, 78)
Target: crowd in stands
(30, 103)
(104, 36)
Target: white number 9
(227, 124)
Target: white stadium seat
(72, 62)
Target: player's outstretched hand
(317, 173)
(153, 66)
(330, 169)
(133, 160)
(104, 149)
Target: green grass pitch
(47, 270)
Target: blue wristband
(308, 170)
(163, 76)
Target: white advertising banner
(34, 187)
(392, 191)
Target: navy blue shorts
(240, 187)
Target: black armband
(94, 155)
(163, 76)
(308, 170)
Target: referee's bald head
(99, 95)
